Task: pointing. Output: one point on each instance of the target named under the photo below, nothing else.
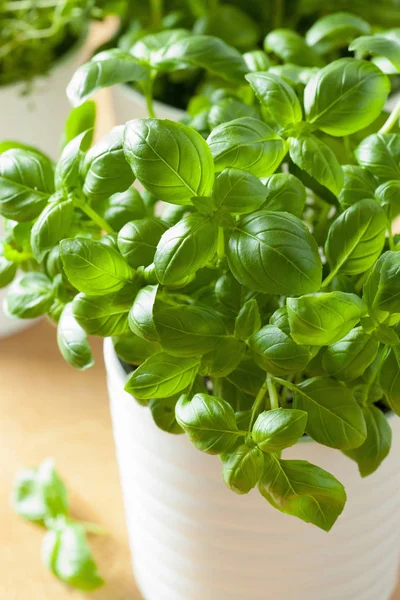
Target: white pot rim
(138, 98)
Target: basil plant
(252, 287)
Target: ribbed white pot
(193, 539)
(37, 118)
(130, 104)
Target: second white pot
(193, 539)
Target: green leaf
(209, 423)
(298, 488)
(185, 248)
(291, 47)
(380, 154)
(277, 353)
(26, 184)
(229, 109)
(247, 144)
(346, 96)
(358, 185)
(356, 238)
(8, 270)
(388, 196)
(256, 60)
(390, 381)
(53, 225)
(30, 296)
(280, 319)
(104, 70)
(237, 192)
(274, 253)
(248, 320)
(277, 97)
(223, 358)
(382, 288)
(80, 120)
(316, 158)
(350, 357)
(335, 31)
(334, 417)
(39, 494)
(67, 173)
(375, 449)
(285, 193)
(120, 208)
(163, 413)
(170, 160)
(385, 44)
(94, 268)
(72, 341)
(275, 430)
(66, 553)
(137, 240)
(133, 349)
(231, 24)
(141, 314)
(105, 169)
(162, 375)
(247, 377)
(243, 468)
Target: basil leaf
(247, 144)
(105, 169)
(94, 268)
(209, 422)
(72, 341)
(350, 357)
(137, 241)
(248, 320)
(67, 173)
(385, 44)
(375, 449)
(26, 183)
(358, 185)
(195, 236)
(380, 154)
(285, 193)
(170, 160)
(120, 208)
(53, 224)
(274, 253)
(81, 119)
(39, 494)
(382, 288)
(229, 109)
(277, 96)
(231, 24)
(8, 271)
(223, 358)
(324, 318)
(335, 31)
(388, 196)
(275, 430)
(390, 381)
(247, 377)
(103, 70)
(161, 376)
(243, 468)
(291, 47)
(66, 553)
(316, 158)
(331, 423)
(30, 296)
(298, 488)
(280, 319)
(345, 96)
(228, 292)
(356, 238)
(133, 349)
(141, 314)
(256, 60)
(163, 413)
(277, 353)
(147, 45)
(238, 192)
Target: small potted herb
(255, 310)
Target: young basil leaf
(298, 488)
(331, 423)
(141, 314)
(148, 45)
(161, 376)
(133, 349)
(223, 358)
(275, 430)
(382, 288)
(358, 185)
(104, 70)
(194, 235)
(248, 320)
(247, 144)
(274, 253)
(66, 553)
(67, 173)
(229, 293)
(375, 449)
(163, 413)
(238, 192)
(380, 154)
(285, 193)
(137, 241)
(120, 208)
(80, 120)
(247, 377)
(53, 225)
(256, 60)
(209, 422)
(105, 169)
(390, 381)
(94, 268)
(39, 494)
(345, 96)
(356, 238)
(387, 335)
(72, 341)
(30, 296)
(324, 318)
(280, 319)
(170, 160)
(229, 109)
(388, 196)
(243, 468)
(350, 357)
(385, 44)
(277, 353)
(291, 47)
(26, 184)
(277, 96)
(335, 31)
(314, 157)
(8, 270)
(231, 24)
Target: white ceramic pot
(193, 539)
(37, 118)
(130, 104)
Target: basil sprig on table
(259, 301)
